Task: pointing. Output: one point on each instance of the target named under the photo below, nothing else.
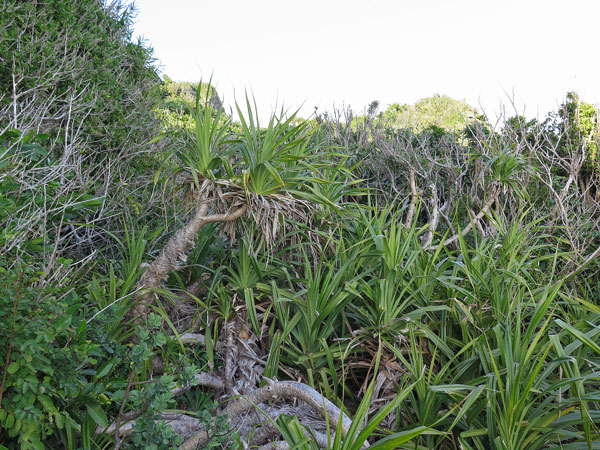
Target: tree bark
(176, 249)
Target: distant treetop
(439, 110)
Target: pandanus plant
(270, 175)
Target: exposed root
(207, 380)
(280, 390)
(289, 390)
(267, 434)
(182, 424)
(256, 425)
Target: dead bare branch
(413, 197)
(495, 192)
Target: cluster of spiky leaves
(271, 169)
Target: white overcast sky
(309, 53)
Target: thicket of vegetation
(171, 278)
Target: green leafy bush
(75, 65)
(46, 357)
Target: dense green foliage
(440, 111)
(178, 100)
(80, 56)
(43, 356)
(434, 277)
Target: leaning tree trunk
(175, 250)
